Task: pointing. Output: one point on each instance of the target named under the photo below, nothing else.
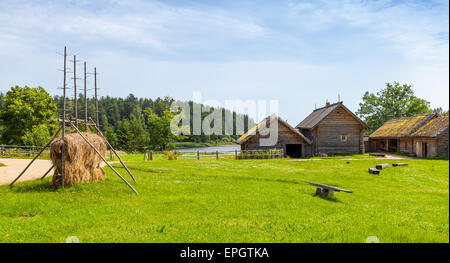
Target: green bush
(38, 136)
(171, 155)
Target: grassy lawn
(1, 165)
(236, 201)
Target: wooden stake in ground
(29, 164)
(101, 156)
(51, 168)
(112, 149)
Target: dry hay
(82, 163)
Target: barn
(334, 129)
(396, 135)
(290, 140)
(431, 140)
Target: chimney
(327, 104)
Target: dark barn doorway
(294, 150)
(424, 149)
(393, 145)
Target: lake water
(211, 149)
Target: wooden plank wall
(442, 148)
(431, 145)
(329, 130)
(285, 136)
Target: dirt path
(14, 166)
(387, 157)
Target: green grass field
(236, 201)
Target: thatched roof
(435, 128)
(318, 115)
(262, 125)
(402, 127)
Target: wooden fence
(237, 154)
(21, 151)
(31, 151)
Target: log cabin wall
(442, 145)
(406, 145)
(285, 136)
(327, 135)
(431, 147)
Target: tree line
(29, 116)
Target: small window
(344, 137)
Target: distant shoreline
(186, 145)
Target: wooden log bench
(382, 166)
(377, 154)
(326, 190)
(400, 164)
(374, 171)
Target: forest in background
(128, 123)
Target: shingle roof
(434, 128)
(251, 132)
(402, 127)
(320, 114)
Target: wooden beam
(114, 151)
(43, 148)
(382, 166)
(53, 166)
(374, 171)
(101, 156)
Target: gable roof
(262, 125)
(402, 127)
(434, 128)
(318, 115)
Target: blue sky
(300, 53)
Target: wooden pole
(103, 158)
(75, 89)
(112, 149)
(96, 99)
(198, 155)
(43, 148)
(85, 100)
(47, 172)
(151, 155)
(63, 150)
(235, 154)
(217, 155)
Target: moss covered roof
(402, 127)
(433, 128)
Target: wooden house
(334, 129)
(396, 135)
(289, 139)
(431, 140)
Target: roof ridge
(324, 107)
(403, 118)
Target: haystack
(82, 163)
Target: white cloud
(306, 52)
(145, 24)
(413, 29)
